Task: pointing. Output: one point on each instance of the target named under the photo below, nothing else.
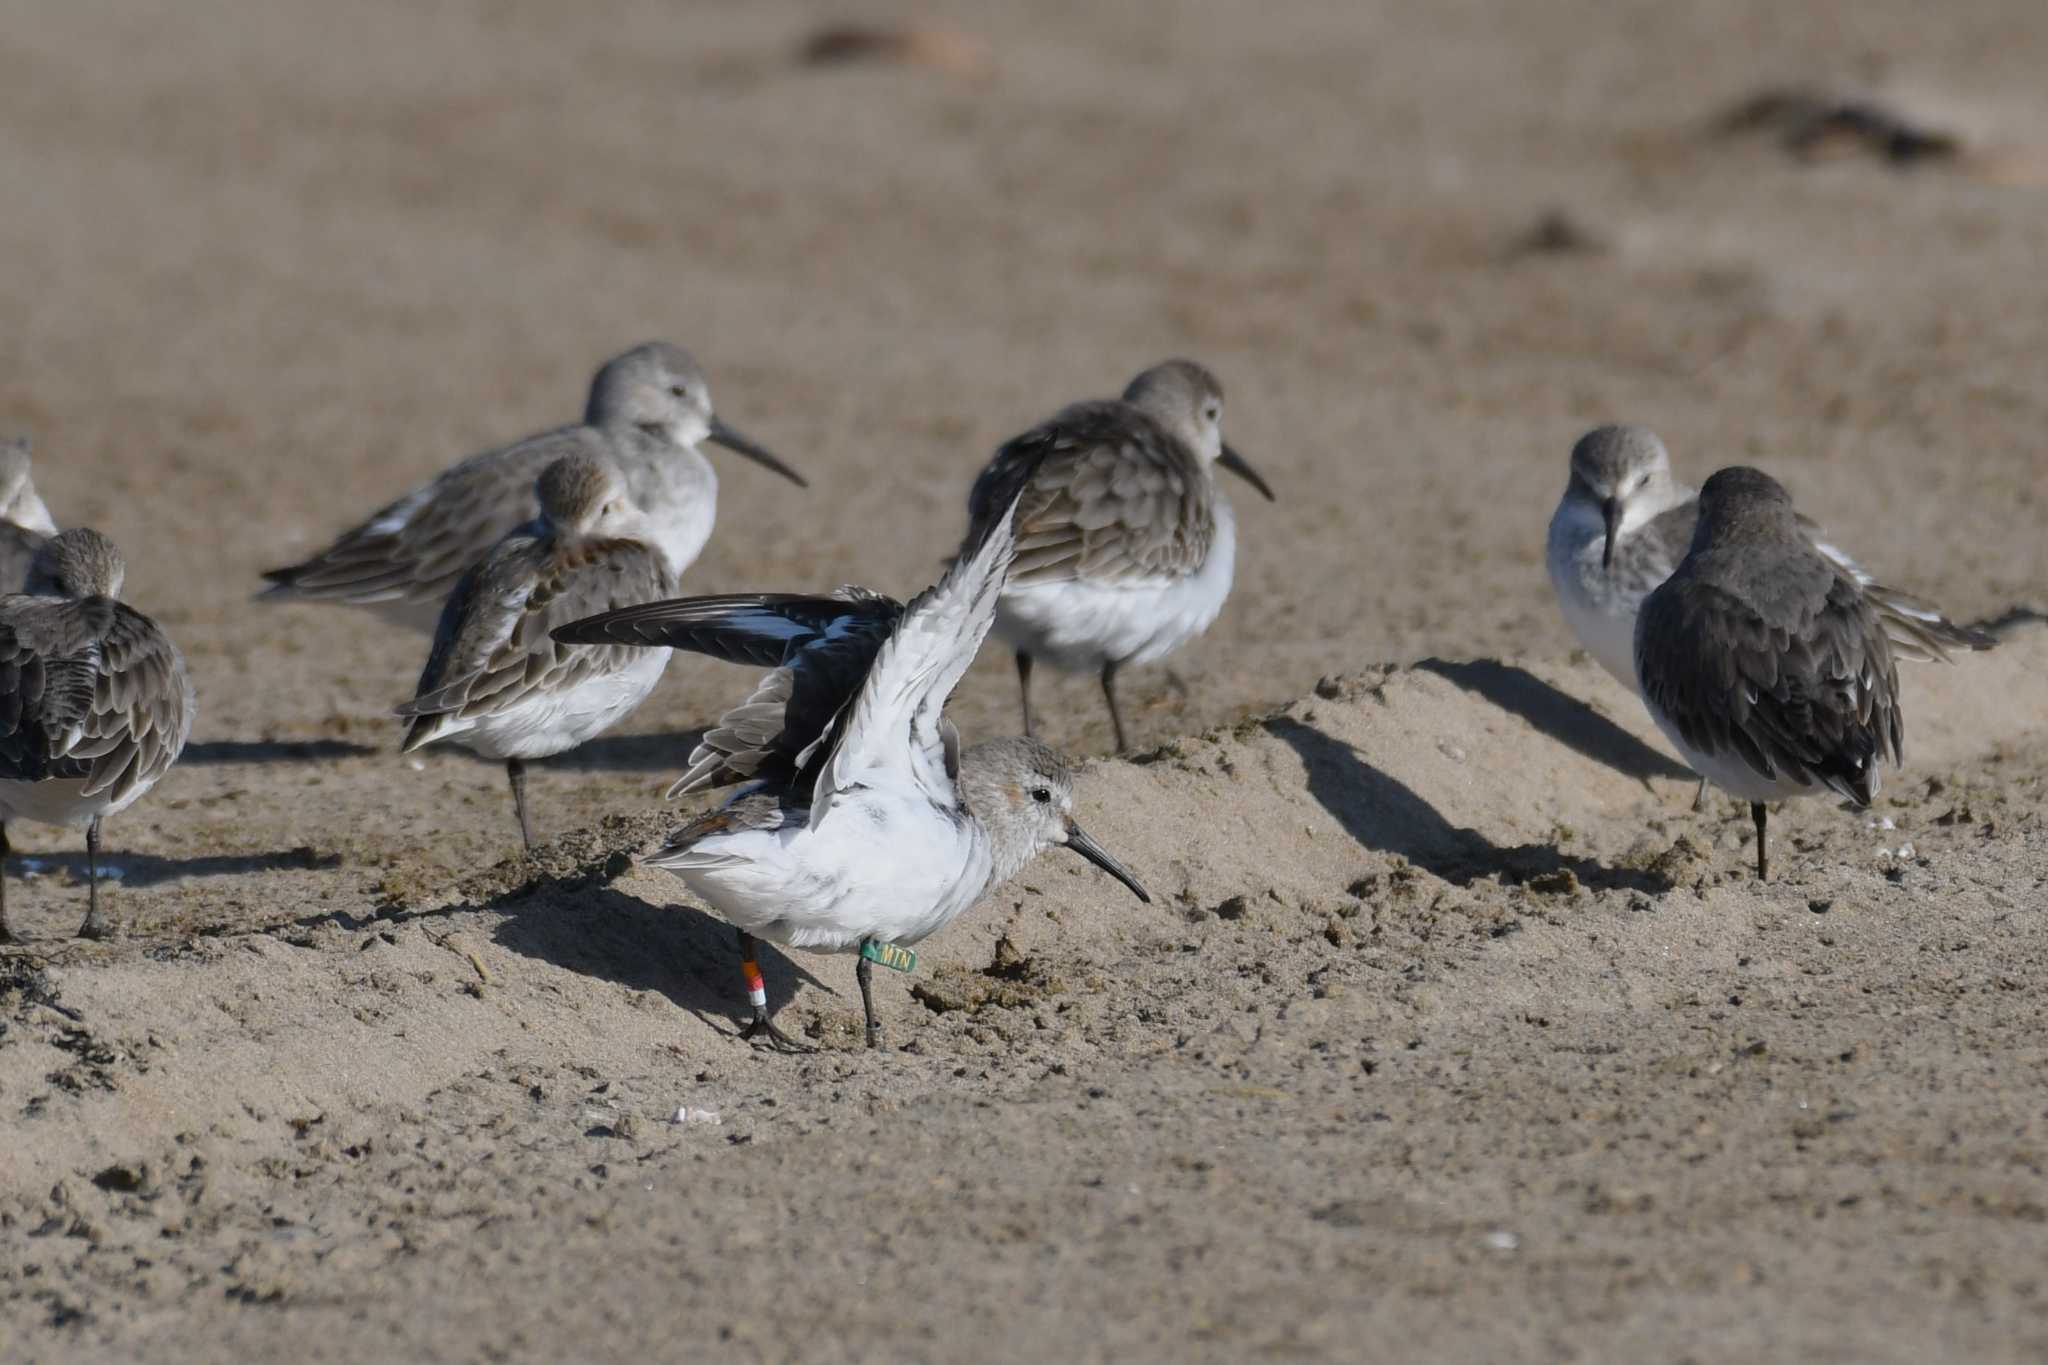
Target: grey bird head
(77, 564)
(659, 388)
(1739, 499)
(1625, 474)
(18, 500)
(1187, 400)
(1022, 791)
(585, 495)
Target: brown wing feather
(1115, 496)
(417, 548)
(495, 641)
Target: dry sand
(1451, 1032)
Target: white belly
(1081, 625)
(546, 723)
(1728, 771)
(59, 801)
(678, 492)
(894, 870)
(1603, 617)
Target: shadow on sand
(1381, 813)
(212, 751)
(146, 869)
(1561, 716)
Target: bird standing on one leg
(863, 828)
(1125, 545)
(95, 705)
(1625, 522)
(497, 681)
(1764, 661)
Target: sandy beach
(1452, 1032)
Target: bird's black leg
(515, 769)
(6, 934)
(757, 996)
(1024, 688)
(1699, 798)
(94, 926)
(1116, 720)
(1760, 815)
(864, 972)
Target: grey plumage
(95, 704)
(25, 523)
(1764, 660)
(646, 408)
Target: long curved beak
(732, 440)
(1610, 511)
(1235, 463)
(1097, 854)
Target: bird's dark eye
(1042, 795)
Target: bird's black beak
(1610, 510)
(1097, 854)
(732, 440)
(1234, 462)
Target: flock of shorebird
(547, 571)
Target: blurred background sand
(267, 266)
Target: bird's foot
(874, 1037)
(96, 926)
(763, 1034)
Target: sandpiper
(1625, 522)
(649, 409)
(24, 522)
(864, 827)
(94, 702)
(1125, 545)
(497, 682)
(1764, 661)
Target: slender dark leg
(6, 934)
(1699, 798)
(515, 769)
(864, 973)
(1024, 688)
(1763, 866)
(1116, 719)
(757, 996)
(94, 926)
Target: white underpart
(543, 723)
(1730, 773)
(1081, 624)
(1599, 604)
(57, 801)
(677, 492)
(883, 863)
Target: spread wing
(1812, 696)
(91, 689)
(1111, 495)
(818, 651)
(415, 549)
(894, 726)
(495, 645)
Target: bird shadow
(146, 869)
(1561, 716)
(1380, 812)
(271, 750)
(582, 924)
